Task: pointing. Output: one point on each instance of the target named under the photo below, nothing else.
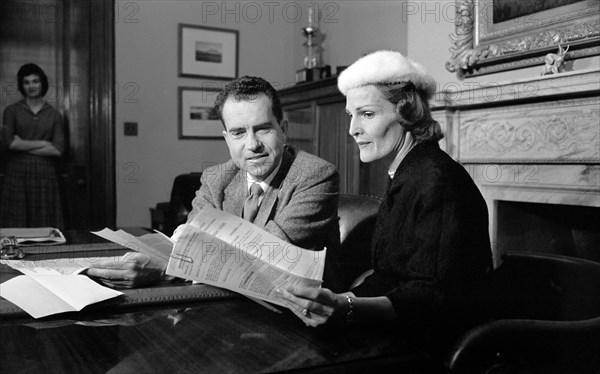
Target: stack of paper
(35, 236)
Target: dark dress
(30, 193)
(430, 249)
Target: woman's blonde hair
(415, 115)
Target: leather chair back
(166, 216)
(357, 214)
(545, 312)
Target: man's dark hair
(29, 69)
(249, 88)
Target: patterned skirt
(31, 194)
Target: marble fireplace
(533, 148)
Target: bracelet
(350, 312)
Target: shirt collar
(26, 107)
(264, 184)
(407, 145)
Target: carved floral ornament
(467, 58)
(567, 132)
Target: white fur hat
(384, 67)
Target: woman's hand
(34, 147)
(47, 149)
(130, 270)
(314, 306)
(22, 145)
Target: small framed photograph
(208, 52)
(197, 117)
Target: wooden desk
(229, 335)
(225, 336)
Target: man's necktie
(251, 203)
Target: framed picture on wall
(499, 35)
(197, 117)
(208, 52)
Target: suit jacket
(300, 206)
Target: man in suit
(286, 191)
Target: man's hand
(130, 270)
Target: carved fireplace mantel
(531, 140)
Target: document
(64, 266)
(55, 286)
(226, 251)
(45, 293)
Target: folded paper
(45, 294)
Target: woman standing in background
(33, 134)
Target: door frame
(102, 115)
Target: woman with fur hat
(430, 250)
